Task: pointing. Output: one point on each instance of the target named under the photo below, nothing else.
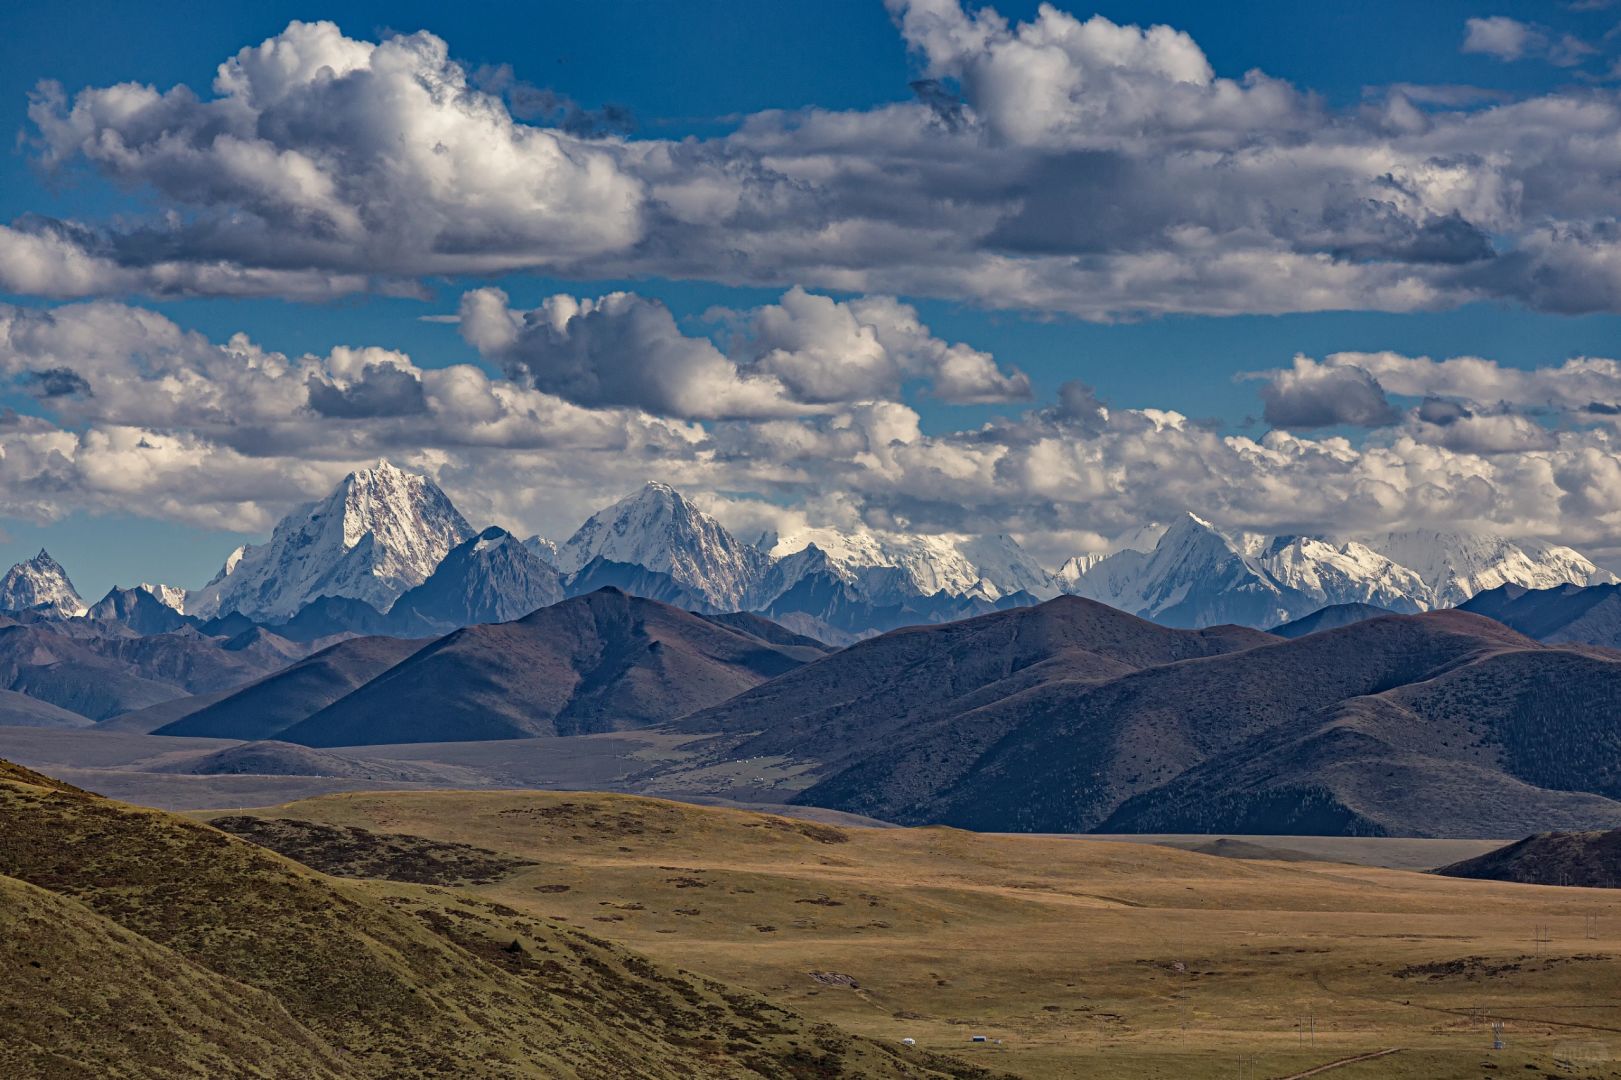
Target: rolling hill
(140, 944)
(1085, 718)
(72, 971)
(600, 662)
(1103, 960)
(1329, 618)
(279, 700)
(1587, 859)
(271, 758)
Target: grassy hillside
(397, 982)
(84, 997)
(1103, 960)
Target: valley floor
(1072, 956)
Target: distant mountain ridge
(387, 553)
(1194, 574)
(600, 662)
(1565, 613)
(1073, 717)
(98, 674)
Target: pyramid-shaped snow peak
(40, 584)
(381, 531)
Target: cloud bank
(130, 412)
(1055, 166)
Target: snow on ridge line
(40, 584)
(380, 532)
(383, 530)
(1197, 575)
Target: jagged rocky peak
(170, 596)
(139, 608)
(381, 531)
(545, 550)
(492, 577)
(657, 528)
(40, 584)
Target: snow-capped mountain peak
(1455, 566)
(170, 596)
(659, 529)
(1344, 573)
(40, 584)
(1197, 575)
(990, 566)
(545, 550)
(380, 532)
(1004, 563)
(1074, 568)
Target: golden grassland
(137, 944)
(1083, 958)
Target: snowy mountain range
(990, 567)
(1193, 574)
(387, 552)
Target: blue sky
(696, 68)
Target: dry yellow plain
(1074, 958)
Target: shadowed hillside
(1586, 859)
(278, 701)
(893, 686)
(1588, 614)
(1074, 717)
(1513, 738)
(19, 710)
(600, 662)
(1329, 618)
